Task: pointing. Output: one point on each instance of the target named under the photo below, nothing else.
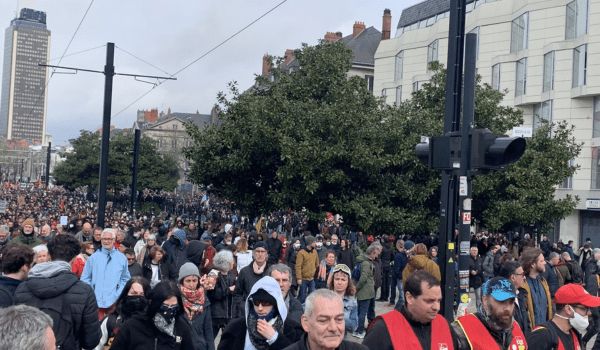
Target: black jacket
(7, 290)
(135, 269)
(295, 309)
(290, 261)
(551, 278)
(475, 281)
(590, 269)
(221, 299)
(79, 296)
(387, 256)
(346, 257)
(201, 327)
(521, 312)
(163, 267)
(245, 280)
(234, 335)
(345, 345)
(140, 333)
(274, 250)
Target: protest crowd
(193, 273)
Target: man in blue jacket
(400, 262)
(106, 272)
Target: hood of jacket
(418, 262)
(50, 279)
(362, 258)
(195, 249)
(269, 285)
(181, 235)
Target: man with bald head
(45, 234)
(85, 235)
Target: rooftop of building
(424, 10)
(364, 45)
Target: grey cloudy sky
(170, 35)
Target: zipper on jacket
(155, 343)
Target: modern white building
(546, 53)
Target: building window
(542, 111)
(596, 132)
(432, 51)
(496, 77)
(548, 81)
(399, 65)
(476, 32)
(415, 86)
(579, 65)
(175, 127)
(519, 33)
(384, 94)
(521, 79)
(568, 183)
(369, 79)
(577, 19)
(398, 95)
(595, 168)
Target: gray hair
(152, 237)
(320, 293)
(222, 260)
(23, 327)
(281, 268)
(553, 255)
(371, 249)
(565, 255)
(111, 231)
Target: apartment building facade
(546, 53)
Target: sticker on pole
(464, 298)
(467, 204)
(463, 190)
(466, 218)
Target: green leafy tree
(318, 140)
(82, 166)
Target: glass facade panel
(496, 77)
(399, 66)
(542, 111)
(595, 169)
(596, 132)
(398, 94)
(579, 65)
(577, 19)
(548, 79)
(519, 37)
(432, 51)
(521, 78)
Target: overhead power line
(204, 55)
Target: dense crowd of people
(201, 271)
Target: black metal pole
(136, 154)
(464, 193)
(21, 178)
(109, 72)
(448, 197)
(48, 164)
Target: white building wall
(547, 30)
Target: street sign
(2, 206)
(592, 203)
(466, 218)
(522, 131)
(64, 220)
(464, 189)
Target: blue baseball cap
(500, 288)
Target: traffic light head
(495, 152)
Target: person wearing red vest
(563, 331)
(416, 325)
(493, 326)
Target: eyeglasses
(107, 239)
(130, 259)
(519, 274)
(341, 267)
(263, 303)
(583, 308)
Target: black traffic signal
(495, 152)
(489, 152)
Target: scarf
(258, 341)
(193, 301)
(163, 326)
(257, 269)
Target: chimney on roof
(358, 28)
(197, 112)
(386, 27)
(289, 56)
(266, 66)
(169, 112)
(331, 37)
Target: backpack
(356, 271)
(62, 324)
(546, 325)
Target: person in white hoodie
(265, 324)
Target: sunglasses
(263, 303)
(341, 267)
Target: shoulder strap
(553, 334)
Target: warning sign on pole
(466, 218)
(464, 189)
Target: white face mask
(319, 244)
(580, 323)
(297, 245)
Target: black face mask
(168, 313)
(133, 304)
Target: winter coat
(346, 257)
(290, 260)
(243, 260)
(7, 290)
(176, 250)
(400, 262)
(31, 241)
(345, 345)
(201, 327)
(294, 308)
(79, 264)
(163, 269)
(488, 265)
(235, 335)
(306, 264)
(377, 273)
(386, 256)
(139, 333)
(551, 278)
(274, 245)
(421, 262)
(365, 287)
(590, 270)
(475, 281)
(106, 271)
(221, 299)
(243, 285)
(52, 279)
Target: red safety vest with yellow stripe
(403, 336)
(576, 344)
(479, 337)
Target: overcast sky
(170, 35)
